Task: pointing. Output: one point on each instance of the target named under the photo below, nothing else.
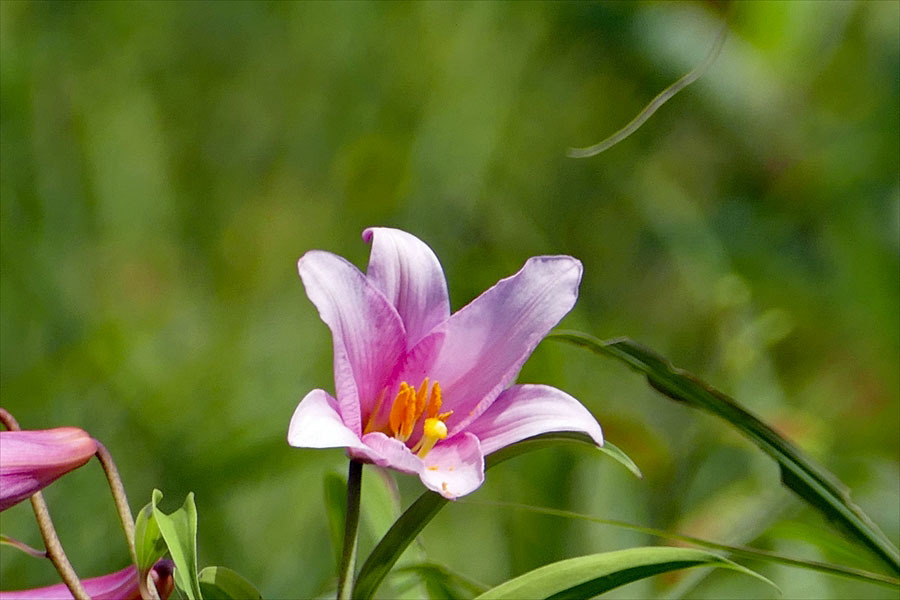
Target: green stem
(351, 530)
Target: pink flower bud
(31, 460)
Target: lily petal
(33, 459)
(488, 341)
(368, 333)
(316, 423)
(386, 451)
(121, 585)
(523, 411)
(455, 467)
(410, 276)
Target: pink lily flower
(33, 459)
(420, 390)
(121, 585)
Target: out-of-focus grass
(163, 165)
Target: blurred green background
(164, 165)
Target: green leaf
(619, 456)
(180, 532)
(735, 551)
(441, 582)
(336, 511)
(807, 479)
(413, 520)
(538, 442)
(221, 583)
(588, 576)
(149, 544)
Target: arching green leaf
(807, 479)
(221, 583)
(588, 576)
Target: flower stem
(351, 530)
(121, 499)
(54, 548)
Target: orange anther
(421, 397)
(434, 401)
(398, 409)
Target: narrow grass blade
(588, 576)
(807, 479)
(618, 455)
(745, 552)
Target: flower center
(409, 407)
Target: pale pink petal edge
(488, 341)
(523, 411)
(368, 335)
(454, 467)
(316, 423)
(409, 274)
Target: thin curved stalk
(20, 545)
(119, 496)
(663, 97)
(746, 552)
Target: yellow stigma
(435, 428)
